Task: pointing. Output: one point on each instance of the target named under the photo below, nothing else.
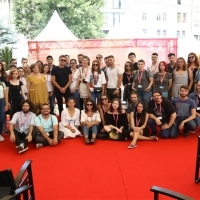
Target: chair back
(7, 179)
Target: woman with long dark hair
(116, 120)
(2, 73)
(90, 119)
(138, 121)
(127, 80)
(96, 82)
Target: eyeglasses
(73, 63)
(98, 57)
(104, 99)
(63, 60)
(89, 104)
(95, 65)
(191, 57)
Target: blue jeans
(2, 113)
(163, 133)
(165, 94)
(76, 95)
(86, 130)
(144, 97)
(52, 102)
(95, 96)
(191, 125)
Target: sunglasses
(89, 104)
(191, 57)
(104, 99)
(98, 57)
(63, 60)
(95, 65)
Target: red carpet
(108, 170)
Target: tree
(6, 55)
(82, 17)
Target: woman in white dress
(23, 80)
(70, 120)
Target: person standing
(114, 75)
(132, 57)
(154, 66)
(49, 60)
(61, 79)
(172, 64)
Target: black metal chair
(197, 178)
(21, 186)
(158, 190)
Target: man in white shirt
(154, 66)
(114, 75)
(21, 126)
(47, 128)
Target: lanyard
(160, 108)
(25, 119)
(116, 119)
(154, 68)
(129, 77)
(162, 78)
(140, 76)
(137, 121)
(85, 72)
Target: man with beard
(49, 60)
(47, 128)
(80, 61)
(161, 113)
(186, 113)
(21, 126)
(132, 105)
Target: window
(118, 4)
(165, 17)
(183, 34)
(158, 17)
(109, 19)
(178, 34)
(158, 32)
(178, 17)
(164, 33)
(144, 31)
(144, 16)
(116, 18)
(184, 18)
(179, 2)
(113, 18)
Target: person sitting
(186, 113)
(161, 113)
(116, 121)
(21, 126)
(70, 119)
(47, 128)
(90, 119)
(138, 121)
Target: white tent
(55, 30)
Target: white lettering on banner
(170, 46)
(150, 45)
(160, 49)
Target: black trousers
(112, 96)
(59, 97)
(38, 138)
(20, 138)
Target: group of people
(161, 96)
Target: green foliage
(6, 55)
(82, 17)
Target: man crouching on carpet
(21, 126)
(47, 128)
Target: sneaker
(154, 138)
(185, 134)
(23, 150)
(1, 138)
(192, 131)
(5, 131)
(20, 147)
(39, 145)
(131, 146)
(153, 133)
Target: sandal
(131, 146)
(87, 141)
(93, 140)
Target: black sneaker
(153, 133)
(185, 133)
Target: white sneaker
(25, 149)
(39, 145)
(1, 138)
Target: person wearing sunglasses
(104, 107)
(95, 82)
(61, 79)
(193, 64)
(127, 81)
(74, 86)
(99, 57)
(90, 120)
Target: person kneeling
(21, 126)
(47, 128)
(138, 120)
(90, 119)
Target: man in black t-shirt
(132, 57)
(61, 79)
(161, 113)
(171, 65)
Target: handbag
(98, 89)
(113, 135)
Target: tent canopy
(55, 30)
